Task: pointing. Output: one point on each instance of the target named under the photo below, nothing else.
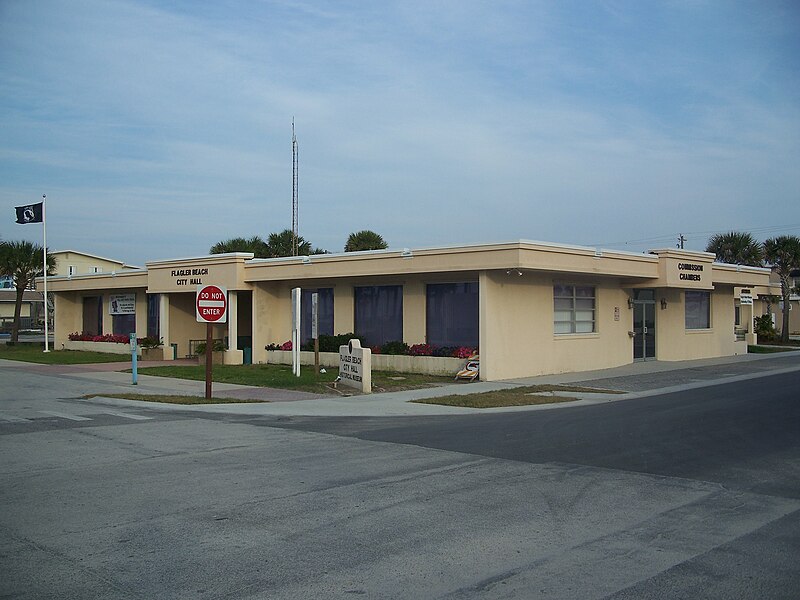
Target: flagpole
(44, 258)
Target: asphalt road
(690, 495)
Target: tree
(22, 261)
(280, 244)
(783, 255)
(736, 248)
(365, 240)
(255, 245)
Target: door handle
(645, 330)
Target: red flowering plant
(421, 350)
(88, 337)
(286, 345)
(465, 352)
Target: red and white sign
(211, 304)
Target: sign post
(315, 328)
(296, 331)
(211, 306)
(133, 358)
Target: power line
(670, 237)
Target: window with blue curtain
(153, 315)
(324, 313)
(379, 314)
(451, 314)
(123, 324)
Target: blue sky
(159, 128)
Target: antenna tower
(295, 236)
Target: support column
(233, 356)
(163, 325)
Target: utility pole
(681, 239)
(295, 226)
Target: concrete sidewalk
(635, 380)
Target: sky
(157, 129)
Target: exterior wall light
(630, 303)
(306, 260)
(663, 304)
(406, 253)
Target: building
(72, 262)
(532, 308)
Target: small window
(73, 270)
(698, 310)
(97, 269)
(573, 308)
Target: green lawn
(769, 349)
(171, 399)
(521, 396)
(34, 352)
(281, 376)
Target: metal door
(644, 325)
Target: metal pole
(44, 259)
(209, 362)
(134, 362)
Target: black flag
(31, 213)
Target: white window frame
(570, 310)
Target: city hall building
(532, 308)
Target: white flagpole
(44, 255)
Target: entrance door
(644, 325)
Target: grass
(769, 349)
(34, 352)
(521, 396)
(171, 399)
(281, 376)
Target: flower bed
(426, 365)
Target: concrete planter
(216, 358)
(426, 365)
(108, 347)
(152, 353)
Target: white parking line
(64, 415)
(125, 415)
(12, 418)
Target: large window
(123, 324)
(452, 314)
(153, 315)
(698, 310)
(324, 313)
(379, 314)
(93, 315)
(574, 308)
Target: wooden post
(209, 361)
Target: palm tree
(239, 244)
(736, 248)
(783, 254)
(22, 261)
(365, 240)
(280, 244)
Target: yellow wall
(675, 342)
(517, 331)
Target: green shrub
(396, 347)
(331, 343)
(764, 328)
(216, 346)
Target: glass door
(644, 325)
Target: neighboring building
(767, 299)
(532, 308)
(72, 262)
(31, 312)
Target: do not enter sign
(212, 304)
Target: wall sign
(122, 304)
(690, 271)
(189, 276)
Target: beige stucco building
(531, 307)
